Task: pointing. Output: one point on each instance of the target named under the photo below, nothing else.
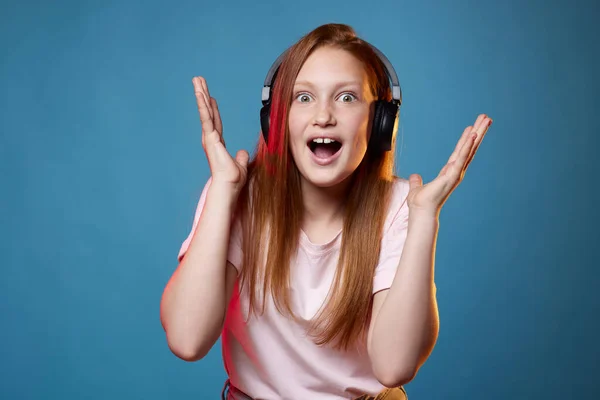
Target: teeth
(323, 140)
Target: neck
(324, 205)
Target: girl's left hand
(431, 197)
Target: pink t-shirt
(270, 356)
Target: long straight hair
(271, 207)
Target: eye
(348, 97)
(303, 97)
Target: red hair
(271, 205)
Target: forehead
(328, 65)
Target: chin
(325, 179)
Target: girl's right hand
(224, 169)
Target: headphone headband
(391, 72)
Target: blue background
(102, 165)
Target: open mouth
(324, 147)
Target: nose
(324, 115)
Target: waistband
(230, 392)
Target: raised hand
(224, 169)
(431, 197)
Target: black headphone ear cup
(375, 139)
(265, 113)
(384, 120)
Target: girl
(313, 262)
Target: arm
(194, 302)
(405, 323)
(195, 299)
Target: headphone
(386, 112)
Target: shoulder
(400, 188)
(397, 205)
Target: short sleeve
(234, 251)
(394, 237)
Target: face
(329, 117)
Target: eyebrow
(339, 84)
